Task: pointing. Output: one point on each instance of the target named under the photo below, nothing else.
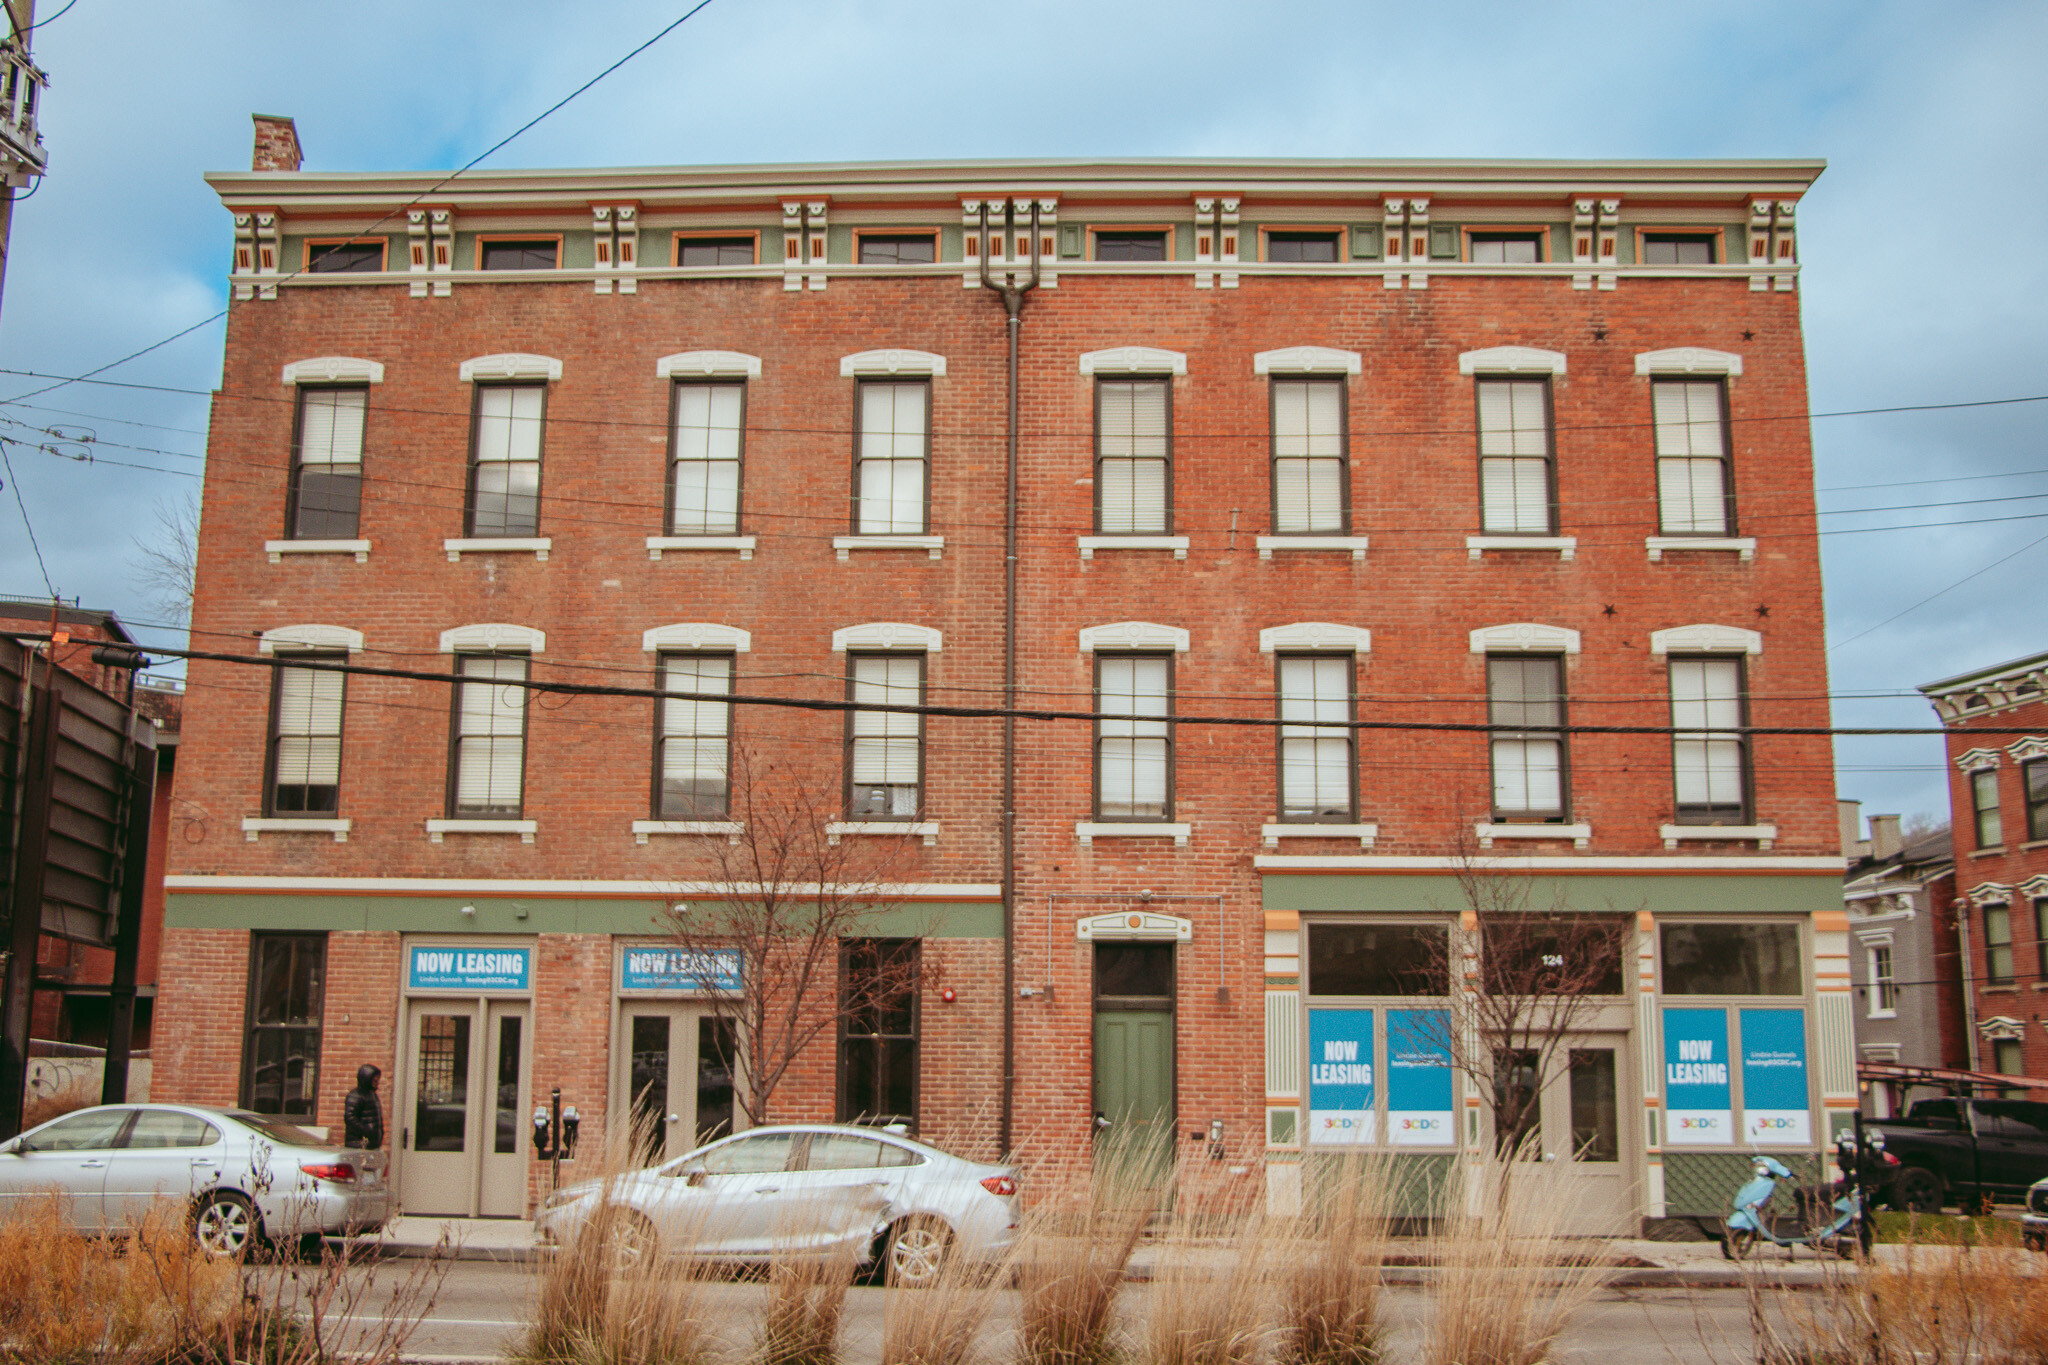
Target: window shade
(1513, 417)
(1515, 495)
(331, 426)
(1132, 744)
(892, 455)
(1133, 496)
(1308, 451)
(490, 744)
(1690, 496)
(1688, 416)
(508, 422)
(885, 743)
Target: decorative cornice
(887, 635)
(2028, 748)
(708, 365)
(1308, 360)
(1705, 639)
(2001, 1026)
(291, 639)
(1527, 636)
(490, 637)
(1688, 360)
(334, 369)
(696, 635)
(1511, 360)
(1316, 635)
(1133, 635)
(1134, 924)
(511, 365)
(906, 363)
(1977, 760)
(1989, 893)
(1134, 360)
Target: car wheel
(630, 1240)
(1737, 1243)
(917, 1252)
(1917, 1190)
(225, 1224)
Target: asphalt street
(481, 1308)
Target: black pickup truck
(1964, 1152)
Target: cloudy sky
(1924, 242)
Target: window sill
(278, 549)
(1882, 1014)
(1763, 834)
(1088, 831)
(731, 829)
(253, 827)
(934, 546)
(1998, 988)
(1090, 544)
(1365, 834)
(1566, 547)
(656, 544)
(928, 830)
(2033, 844)
(1580, 835)
(1743, 546)
(1355, 544)
(537, 546)
(525, 829)
(1995, 851)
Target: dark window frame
(1130, 236)
(1984, 782)
(1479, 381)
(1172, 746)
(476, 411)
(860, 388)
(285, 661)
(2034, 791)
(662, 737)
(675, 462)
(251, 1030)
(1562, 733)
(1430, 959)
(1710, 237)
(722, 239)
(1298, 235)
(1713, 815)
(1280, 662)
(850, 1010)
(1343, 387)
(1539, 237)
(1998, 970)
(295, 479)
(862, 237)
(318, 249)
(1801, 957)
(486, 242)
(1166, 492)
(462, 680)
(1730, 525)
(853, 660)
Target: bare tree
(165, 561)
(783, 949)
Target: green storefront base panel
(1678, 892)
(1703, 1184)
(1417, 1183)
(521, 915)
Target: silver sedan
(245, 1177)
(803, 1189)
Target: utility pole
(22, 158)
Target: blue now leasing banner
(1775, 1107)
(469, 969)
(1420, 1109)
(1340, 1077)
(1698, 1102)
(658, 968)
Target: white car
(803, 1189)
(246, 1177)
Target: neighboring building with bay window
(1378, 523)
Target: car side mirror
(14, 1147)
(694, 1176)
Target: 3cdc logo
(1422, 1125)
(1770, 1125)
(1339, 1125)
(1697, 1125)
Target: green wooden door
(1134, 1083)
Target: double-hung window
(1998, 944)
(281, 1041)
(504, 470)
(1708, 750)
(2034, 781)
(1515, 483)
(694, 746)
(489, 763)
(704, 459)
(1989, 826)
(878, 990)
(889, 493)
(1692, 457)
(1134, 736)
(1525, 695)
(1318, 773)
(305, 739)
(884, 749)
(1309, 457)
(327, 464)
(1884, 988)
(1134, 456)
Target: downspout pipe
(1012, 296)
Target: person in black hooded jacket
(362, 1116)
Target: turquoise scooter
(1849, 1234)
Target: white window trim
(334, 369)
(731, 829)
(1308, 360)
(1366, 834)
(656, 544)
(887, 635)
(1744, 547)
(278, 549)
(1870, 979)
(1567, 547)
(1511, 360)
(1313, 636)
(525, 829)
(1143, 637)
(1688, 360)
(1487, 831)
(708, 365)
(537, 546)
(1090, 544)
(867, 364)
(1134, 926)
(1706, 639)
(492, 637)
(1088, 831)
(1528, 637)
(2028, 748)
(928, 830)
(294, 639)
(696, 635)
(1977, 760)
(511, 365)
(1266, 545)
(1134, 360)
(844, 546)
(254, 827)
(1764, 835)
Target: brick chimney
(277, 144)
(1884, 836)
(1849, 819)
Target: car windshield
(277, 1130)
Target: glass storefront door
(459, 1109)
(674, 1066)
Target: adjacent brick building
(1358, 446)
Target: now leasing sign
(1340, 1077)
(469, 969)
(1698, 1104)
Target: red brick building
(1997, 721)
(1357, 447)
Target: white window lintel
(696, 635)
(488, 637)
(887, 635)
(1134, 360)
(1688, 360)
(334, 369)
(1306, 636)
(1526, 636)
(1706, 639)
(1308, 360)
(308, 637)
(1133, 635)
(1511, 360)
(2028, 748)
(1977, 760)
(511, 365)
(708, 365)
(868, 364)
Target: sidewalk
(1638, 1263)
